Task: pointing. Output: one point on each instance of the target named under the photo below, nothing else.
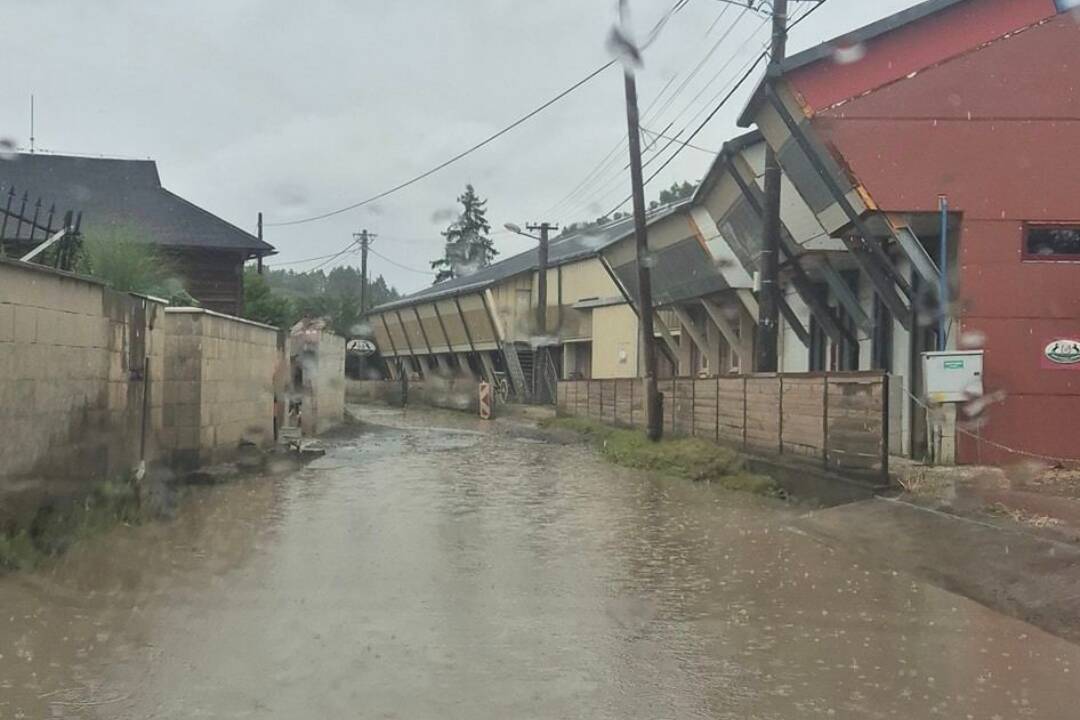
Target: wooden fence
(838, 421)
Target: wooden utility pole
(769, 301)
(653, 416)
(541, 288)
(365, 239)
(260, 240)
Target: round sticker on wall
(1063, 352)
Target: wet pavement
(444, 569)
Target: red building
(978, 101)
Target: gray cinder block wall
(74, 362)
(317, 375)
(220, 385)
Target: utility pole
(653, 416)
(541, 288)
(365, 239)
(260, 240)
(769, 301)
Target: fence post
(885, 429)
(780, 423)
(588, 398)
(632, 384)
(693, 407)
(825, 422)
(745, 380)
(717, 417)
(674, 406)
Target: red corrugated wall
(997, 129)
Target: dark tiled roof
(560, 252)
(113, 192)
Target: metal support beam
(464, 324)
(423, 332)
(793, 320)
(882, 273)
(801, 280)
(690, 328)
(442, 326)
(669, 340)
(415, 357)
(488, 366)
(716, 314)
(389, 335)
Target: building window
(1052, 242)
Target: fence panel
(731, 410)
(839, 421)
(803, 416)
(624, 400)
(705, 408)
(667, 389)
(763, 413)
(857, 424)
(607, 401)
(596, 389)
(683, 422)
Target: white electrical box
(953, 376)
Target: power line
(605, 163)
(399, 265)
(335, 256)
(299, 262)
(612, 184)
(647, 131)
(455, 158)
(722, 103)
(679, 5)
(618, 180)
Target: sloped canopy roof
(561, 251)
(114, 192)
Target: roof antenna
(31, 122)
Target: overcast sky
(299, 108)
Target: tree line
(281, 297)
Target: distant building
(208, 252)
(483, 325)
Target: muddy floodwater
(436, 568)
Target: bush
(56, 527)
(125, 261)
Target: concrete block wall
(72, 364)
(220, 375)
(317, 359)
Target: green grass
(688, 458)
(56, 527)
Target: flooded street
(423, 571)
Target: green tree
(468, 246)
(262, 304)
(674, 193)
(333, 296)
(126, 261)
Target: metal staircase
(517, 370)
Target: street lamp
(516, 229)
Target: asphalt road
(434, 567)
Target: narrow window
(1052, 242)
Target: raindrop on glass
(7, 149)
(847, 53)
